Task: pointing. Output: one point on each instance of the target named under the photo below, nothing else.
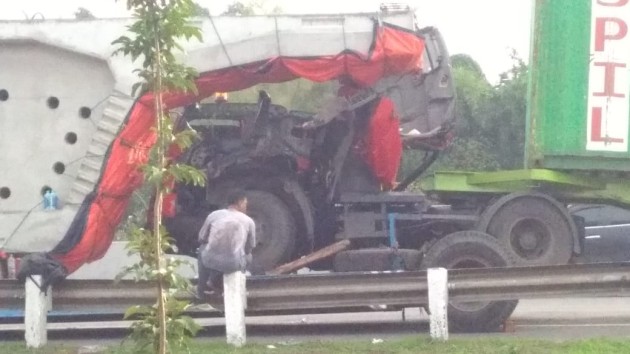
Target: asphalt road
(552, 319)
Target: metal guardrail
(354, 290)
(605, 279)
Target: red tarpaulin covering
(383, 144)
(394, 51)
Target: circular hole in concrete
(45, 189)
(85, 112)
(59, 167)
(52, 102)
(5, 192)
(71, 138)
(4, 95)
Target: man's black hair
(235, 196)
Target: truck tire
(534, 228)
(184, 229)
(275, 230)
(471, 249)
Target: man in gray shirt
(226, 240)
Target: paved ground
(554, 319)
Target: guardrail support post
(35, 311)
(235, 300)
(437, 279)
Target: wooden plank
(325, 252)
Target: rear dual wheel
(534, 228)
(471, 249)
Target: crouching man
(226, 240)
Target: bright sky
(484, 29)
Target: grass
(411, 345)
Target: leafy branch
(153, 39)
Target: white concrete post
(35, 312)
(235, 301)
(49, 299)
(437, 279)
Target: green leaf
(137, 310)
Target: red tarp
(394, 51)
(383, 144)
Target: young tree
(200, 11)
(237, 8)
(490, 127)
(83, 14)
(251, 8)
(153, 39)
(506, 114)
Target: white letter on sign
(609, 77)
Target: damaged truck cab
(299, 167)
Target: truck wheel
(534, 228)
(184, 229)
(471, 249)
(275, 230)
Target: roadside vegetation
(419, 345)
